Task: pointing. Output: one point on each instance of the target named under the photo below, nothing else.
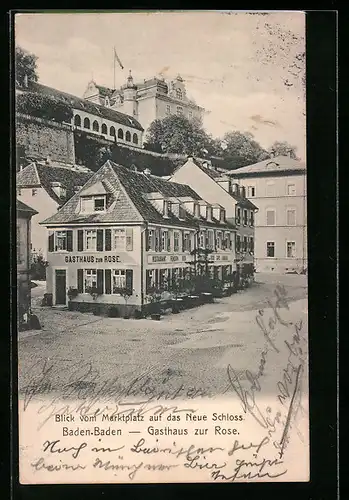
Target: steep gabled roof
(215, 176)
(271, 165)
(35, 175)
(131, 203)
(25, 209)
(85, 105)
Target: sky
(241, 67)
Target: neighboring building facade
(215, 186)
(46, 188)
(278, 187)
(130, 230)
(146, 101)
(93, 118)
(24, 215)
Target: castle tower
(130, 106)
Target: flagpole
(114, 68)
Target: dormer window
(181, 214)
(90, 204)
(209, 214)
(197, 211)
(59, 189)
(222, 215)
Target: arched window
(86, 123)
(128, 136)
(112, 131)
(179, 94)
(135, 139)
(104, 129)
(120, 133)
(95, 126)
(77, 120)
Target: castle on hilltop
(146, 101)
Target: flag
(117, 58)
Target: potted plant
(125, 293)
(72, 292)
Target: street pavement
(190, 349)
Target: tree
(177, 134)
(284, 148)
(241, 149)
(25, 65)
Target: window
(209, 239)
(179, 94)
(291, 217)
(251, 191)
(238, 243)
(120, 239)
(222, 215)
(252, 218)
(112, 131)
(104, 129)
(245, 217)
(218, 240)
(291, 249)
(181, 213)
(291, 189)
(187, 242)
(99, 203)
(120, 133)
(119, 280)
(91, 239)
(176, 241)
(270, 217)
(238, 215)
(251, 245)
(168, 110)
(244, 249)
(90, 280)
(34, 191)
(86, 123)
(270, 249)
(164, 240)
(135, 139)
(201, 239)
(179, 110)
(61, 241)
(77, 120)
(95, 126)
(128, 136)
(270, 189)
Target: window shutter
(183, 245)
(51, 237)
(69, 241)
(129, 279)
(160, 240)
(100, 280)
(107, 240)
(80, 280)
(80, 240)
(146, 235)
(129, 239)
(99, 240)
(108, 281)
(169, 234)
(147, 282)
(156, 235)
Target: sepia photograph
(161, 197)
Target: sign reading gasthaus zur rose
(161, 247)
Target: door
(61, 292)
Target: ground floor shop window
(270, 249)
(119, 279)
(90, 279)
(291, 249)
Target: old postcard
(161, 247)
